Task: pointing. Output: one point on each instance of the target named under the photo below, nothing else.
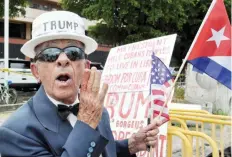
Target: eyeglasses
(52, 53)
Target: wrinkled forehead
(60, 43)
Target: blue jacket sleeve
(77, 144)
(79, 141)
(122, 148)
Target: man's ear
(34, 70)
(87, 64)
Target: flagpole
(149, 122)
(187, 55)
(6, 39)
(194, 41)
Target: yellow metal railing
(191, 111)
(205, 119)
(186, 150)
(199, 117)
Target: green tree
(16, 7)
(126, 21)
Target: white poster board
(127, 71)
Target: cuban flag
(160, 88)
(210, 51)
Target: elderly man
(66, 116)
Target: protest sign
(127, 71)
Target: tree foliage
(126, 21)
(16, 7)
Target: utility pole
(6, 39)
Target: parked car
(19, 74)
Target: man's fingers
(91, 79)
(154, 138)
(155, 124)
(152, 133)
(158, 121)
(96, 83)
(152, 143)
(85, 80)
(103, 92)
(140, 136)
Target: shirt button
(90, 149)
(88, 155)
(92, 144)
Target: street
(23, 96)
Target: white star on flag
(218, 36)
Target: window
(36, 5)
(16, 30)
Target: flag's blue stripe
(197, 70)
(213, 69)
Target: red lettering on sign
(121, 135)
(111, 101)
(162, 138)
(126, 77)
(121, 49)
(145, 64)
(114, 134)
(112, 78)
(137, 98)
(140, 102)
(125, 115)
(122, 65)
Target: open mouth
(63, 77)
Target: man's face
(61, 78)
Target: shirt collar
(55, 102)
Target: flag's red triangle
(216, 20)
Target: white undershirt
(71, 117)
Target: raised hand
(91, 98)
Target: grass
(179, 93)
(220, 112)
(178, 96)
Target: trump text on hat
(52, 25)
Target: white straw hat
(58, 25)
